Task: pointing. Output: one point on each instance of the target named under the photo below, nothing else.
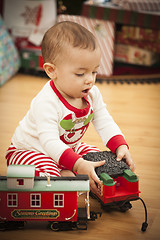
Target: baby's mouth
(85, 92)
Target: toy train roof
(77, 183)
(21, 171)
(58, 184)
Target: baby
(49, 135)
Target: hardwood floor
(136, 109)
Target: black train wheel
(121, 206)
(55, 226)
(125, 207)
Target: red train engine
(118, 191)
(119, 184)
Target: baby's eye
(79, 74)
(94, 72)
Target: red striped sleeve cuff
(115, 142)
(68, 158)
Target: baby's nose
(89, 79)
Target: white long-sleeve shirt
(54, 127)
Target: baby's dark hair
(63, 33)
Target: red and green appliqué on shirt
(75, 123)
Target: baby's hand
(87, 167)
(123, 152)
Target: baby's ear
(50, 70)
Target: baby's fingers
(94, 177)
(93, 187)
(93, 174)
(98, 164)
(131, 165)
(119, 157)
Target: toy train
(24, 197)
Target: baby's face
(76, 72)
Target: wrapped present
(29, 19)
(151, 46)
(144, 38)
(134, 55)
(9, 58)
(140, 34)
(104, 32)
(139, 5)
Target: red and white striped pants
(43, 164)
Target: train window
(12, 200)
(58, 200)
(20, 181)
(35, 200)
